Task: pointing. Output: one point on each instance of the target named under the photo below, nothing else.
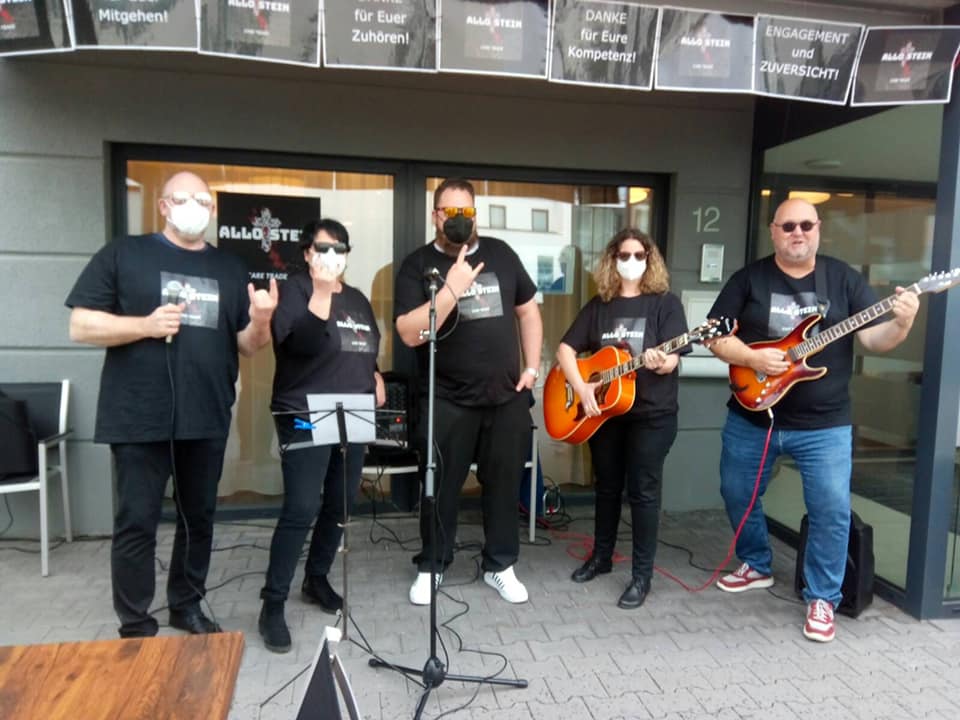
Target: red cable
(586, 541)
(743, 521)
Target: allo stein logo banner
(265, 231)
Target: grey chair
(47, 404)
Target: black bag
(857, 587)
(18, 442)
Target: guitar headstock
(712, 329)
(938, 282)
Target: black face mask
(458, 229)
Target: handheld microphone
(171, 295)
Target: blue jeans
(824, 458)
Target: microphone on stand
(431, 274)
(171, 296)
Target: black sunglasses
(805, 225)
(338, 248)
(625, 256)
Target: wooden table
(158, 678)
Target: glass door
(363, 202)
(559, 231)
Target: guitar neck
(853, 323)
(636, 363)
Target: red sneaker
(744, 578)
(819, 626)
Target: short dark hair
(452, 184)
(330, 226)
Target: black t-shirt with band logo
(132, 277)
(336, 355)
(634, 324)
(478, 348)
(767, 304)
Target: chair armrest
(54, 439)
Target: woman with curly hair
(634, 310)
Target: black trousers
(142, 473)
(498, 440)
(313, 490)
(629, 452)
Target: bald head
(184, 181)
(795, 248)
(186, 205)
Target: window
(498, 216)
(540, 220)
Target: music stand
(337, 419)
(434, 672)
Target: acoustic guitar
(615, 369)
(758, 391)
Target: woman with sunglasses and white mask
(634, 310)
(326, 340)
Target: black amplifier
(857, 585)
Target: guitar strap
(820, 286)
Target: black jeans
(631, 453)
(142, 473)
(497, 439)
(313, 489)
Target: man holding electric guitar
(811, 420)
(633, 308)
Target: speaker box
(857, 587)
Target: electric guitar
(758, 391)
(615, 368)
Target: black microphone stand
(434, 672)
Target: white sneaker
(420, 590)
(505, 582)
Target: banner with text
(497, 37)
(264, 230)
(805, 59)
(401, 35)
(284, 31)
(906, 65)
(603, 43)
(29, 27)
(136, 24)
(706, 51)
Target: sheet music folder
(359, 414)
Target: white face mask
(631, 269)
(190, 219)
(335, 263)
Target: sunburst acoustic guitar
(615, 368)
(758, 391)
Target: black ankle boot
(635, 594)
(317, 590)
(590, 569)
(273, 627)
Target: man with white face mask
(172, 312)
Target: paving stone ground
(682, 656)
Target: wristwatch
(533, 371)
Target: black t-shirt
(634, 324)
(478, 351)
(130, 277)
(337, 355)
(768, 304)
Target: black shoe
(193, 621)
(590, 569)
(273, 627)
(316, 589)
(635, 594)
